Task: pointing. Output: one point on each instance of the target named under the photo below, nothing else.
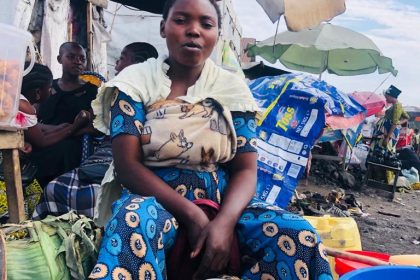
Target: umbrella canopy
(373, 102)
(338, 50)
(302, 14)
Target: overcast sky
(393, 25)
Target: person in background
(135, 53)
(36, 88)
(386, 131)
(407, 153)
(70, 95)
(183, 129)
(416, 141)
(405, 139)
(77, 189)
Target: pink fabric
(405, 137)
(336, 122)
(373, 102)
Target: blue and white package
(290, 123)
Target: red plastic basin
(343, 266)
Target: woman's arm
(39, 139)
(140, 180)
(49, 128)
(218, 234)
(36, 136)
(241, 188)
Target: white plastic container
(13, 48)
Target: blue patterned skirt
(141, 233)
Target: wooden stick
(89, 31)
(13, 180)
(355, 257)
(3, 267)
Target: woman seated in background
(183, 129)
(36, 87)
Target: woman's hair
(39, 76)
(169, 3)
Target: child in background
(135, 53)
(70, 96)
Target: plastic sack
(291, 121)
(412, 175)
(56, 248)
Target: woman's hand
(82, 119)
(27, 148)
(196, 226)
(216, 238)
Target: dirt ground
(394, 231)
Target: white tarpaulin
(16, 12)
(54, 32)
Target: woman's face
(43, 92)
(389, 99)
(191, 31)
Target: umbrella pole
(382, 82)
(275, 35)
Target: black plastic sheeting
(152, 6)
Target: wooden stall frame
(10, 142)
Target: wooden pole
(3, 265)
(355, 257)
(10, 142)
(89, 29)
(13, 181)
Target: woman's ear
(37, 94)
(162, 29)
(59, 58)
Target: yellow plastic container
(338, 233)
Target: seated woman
(183, 129)
(36, 87)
